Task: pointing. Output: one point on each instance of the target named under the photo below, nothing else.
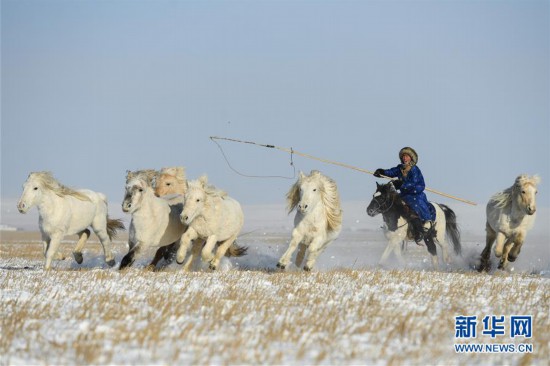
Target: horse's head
(382, 199)
(195, 199)
(170, 181)
(524, 193)
(135, 190)
(33, 189)
(306, 193)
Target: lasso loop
(256, 176)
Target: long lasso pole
(292, 151)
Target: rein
(384, 210)
(380, 205)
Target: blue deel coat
(412, 191)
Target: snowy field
(347, 311)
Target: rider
(410, 184)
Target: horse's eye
(141, 189)
(314, 189)
(522, 192)
(36, 188)
(198, 200)
(167, 184)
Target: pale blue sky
(91, 89)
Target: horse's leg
(300, 255)
(220, 252)
(100, 229)
(432, 249)
(129, 258)
(438, 230)
(389, 248)
(504, 258)
(206, 254)
(315, 249)
(444, 245)
(51, 250)
(285, 258)
(82, 238)
(45, 243)
(500, 241)
(189, 235)
(485, 263)
(158, 256)
(195, 253)
(171, 251)
(516, 249)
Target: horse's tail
(113, 225)
(452, 228)
(236, 250)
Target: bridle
(380, 208)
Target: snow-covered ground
(347, 311)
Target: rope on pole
(292, 151)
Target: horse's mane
(504, 198)
(148, 175)
(329, 197)
(48, 181)
(209, 189)
(177, 172)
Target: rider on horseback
(410, 184)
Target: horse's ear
(314, 172)
(378, 185)
(301, 175)
(203, 180)
(129, 174)
(141, 183)
(392, 187)
(180, 172)
(536, 179)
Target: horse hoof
(212, 267)
(110, 263)
(78, 257)
(307, 269)
(511, 258)
(279, 265)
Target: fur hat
(409, 151)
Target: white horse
(318, 219)
(171, 184)
(510, 214)
(211, 216)
(65, 211)
(155, 223)
(395, 212)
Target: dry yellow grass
(103, 316)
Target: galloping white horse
(395, 212)
(65, 211)
(154, 221)
(318, 219)
(210, 215)
(510, 214)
